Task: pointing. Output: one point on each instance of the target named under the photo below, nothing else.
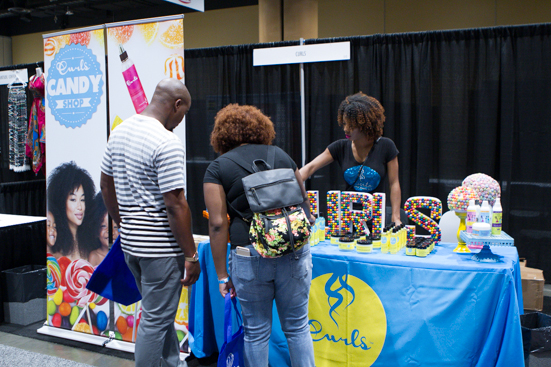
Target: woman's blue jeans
(258, 281)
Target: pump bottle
(497, 217)
(132, 81)
(485, 212)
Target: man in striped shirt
(142, 182)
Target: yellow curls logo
(347, 321)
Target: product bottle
(385, 240)
(477, 207)
(393, 246)
(497, 218)
(133, 82)
(471, 215)
(485, 212)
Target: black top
(373, 174)
(227, 173)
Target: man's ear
(177, 104)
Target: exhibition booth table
(22, 242)
(391, 310)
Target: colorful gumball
(65, 323)
(56, 320)
(130, 321)
(118, 335)
(127, 336)
(58, 297)
(122, 326)
(180, 334)
(51, 307)
(64, 309)
(101, 320)
(74, 315)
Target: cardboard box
(532, 287)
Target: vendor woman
(365, 157)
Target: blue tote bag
(231, 354)
(113, 279)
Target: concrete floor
(62, 351)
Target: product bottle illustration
(497, 218)
(485, 212)
(132, 81)
(471, 215)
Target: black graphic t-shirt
(373, 173)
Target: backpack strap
(248, 167)
(240, 162)
(239, 213)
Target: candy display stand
(484, 243)
(461, 245)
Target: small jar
(364, 246)
(481, 229)
(336, 237)
(347, 243)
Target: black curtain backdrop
(457, 103)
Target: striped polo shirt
(145, 161)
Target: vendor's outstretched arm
(215, 200)
(395, 191)
(320, 161)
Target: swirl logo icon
(347, 321)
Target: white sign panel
(6, 77)
(193, 4)
(300, 54)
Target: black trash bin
(536, 333)
(24, 294)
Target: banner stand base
(91, 339)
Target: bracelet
(224, 281)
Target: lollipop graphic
(78, 273)
(53, 274)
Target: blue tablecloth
(392, 310)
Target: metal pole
(302, 112)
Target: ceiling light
(69, 12)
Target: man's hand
(193, 270)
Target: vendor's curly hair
(62, 181)
(235, 125)
(363, 112)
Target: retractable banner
(141, 54)
(77, 235)
(79, 115)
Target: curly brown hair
(363, 112)
(235, 125)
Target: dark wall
(457, 103)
